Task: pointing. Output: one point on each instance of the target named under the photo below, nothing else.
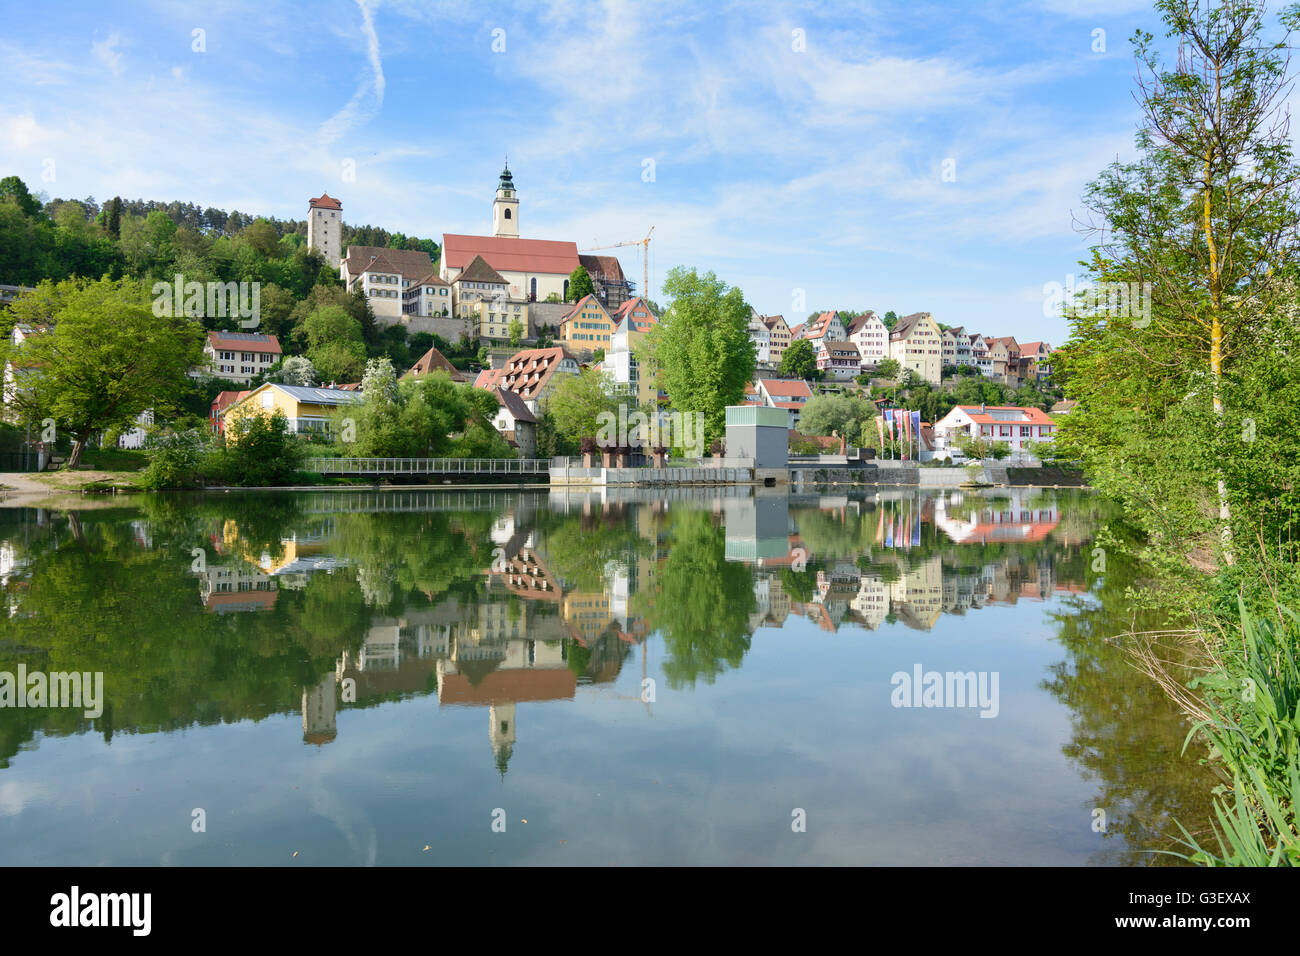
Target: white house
(762, 336)
(838, 361)
(871, 337)
(1021, 428)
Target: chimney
(981, 408)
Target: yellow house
(307, 409)
(492, 317)
(587, 325)
(916, 343)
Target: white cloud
(369, 97)
(106, 52)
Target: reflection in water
(204, 612)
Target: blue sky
(781, 169)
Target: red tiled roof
(479, 271)
(432, 360)
(523, 684)
(816, 328)
(795, 386)
(325, 201)
(588, 301)
(1032, 416)
(511, 255)
(605, 268)
(244, 342)
(528, 372)
(622, 312)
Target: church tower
(505, 208)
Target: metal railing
(428, 466)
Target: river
(501, 677)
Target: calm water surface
(363, 677)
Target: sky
(911, 155)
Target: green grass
(1252, 726)
(114, 459)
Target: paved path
(22, 483)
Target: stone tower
(325, 228)
(505, 208)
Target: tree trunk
(77, 448)
(1216, 354)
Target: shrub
(175, 461)
(259, 451)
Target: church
(534, 269)
(480, 284)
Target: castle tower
(325, 228)
(505, 208)
(318, 709)
(501, 732)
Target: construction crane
(645, 257)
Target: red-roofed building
(432, 361)
(239, 356)
(219, 404)
(1021, 428)
(825, 326)
(790, 394)
(530, 374)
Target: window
(507, 211)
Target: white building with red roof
(530, 374)
(240, 356)
(1021, 428)
(790, 394)
(823, 326)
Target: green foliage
(888, 368)
(175, 461)
(849, 416)
(701, 347)
(425, 417)
(335, 344)
(580, 284)
(799, 360)
(1252, 727)
(700, 603)
(105, 358)
(260, 451)
(575, 405)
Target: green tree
(580, 284)
(799, 360)
(104, 359)
(849, 416)
(1203, 227)
(516, 333)
(701, 347)
(14, 190)
(335, 344)
(576, 403)
(888, 368)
